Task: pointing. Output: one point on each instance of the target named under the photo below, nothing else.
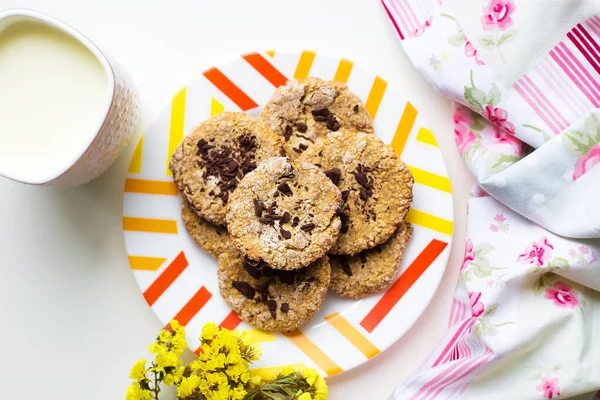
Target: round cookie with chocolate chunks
(270, 299)
(284, 213)
(212, 238)
(369, 271)
(215, 156)
(305, 110)
(376, 187)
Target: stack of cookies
(304, 200)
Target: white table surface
(73, 320)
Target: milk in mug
(53, 99)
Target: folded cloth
(525, 77)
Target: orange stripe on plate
(231, 321)
(313, 352)
(404, 127)
(343, 71)
(263, 67)
(176, 126)
(344, 327)
(146, 263)
(375, 96)
(229, 89)
(165, 279)
(135, 165)
(189, 311)
(304, 64)
(145, 186)
(149, 225)
(401, 286)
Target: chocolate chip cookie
(284, 213)
(305, 110)
(215, 156)
(370, 271)
(212, 238)
(269, 299)
(376, 187)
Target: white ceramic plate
(178, 279)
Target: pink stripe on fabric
(588, 53)
(461, 375)
(450, 344)
(558, 57)
(584, 75)
(400, 14)
(594, 24)
(393, 20)
(410, 26)
(441, 384)
(561, 88)
(533, 104)
(412, 14)
(552, 112)
(453, 311)
(462, 388)
(438, 377)
(591, 41)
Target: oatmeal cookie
(284, 213)
(376, 187)
(215, 156)
(270, 299)
(303, 111)
(212, 238)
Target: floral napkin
(525, 79)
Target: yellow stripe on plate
(304, 64)
(146, 263)
(269, 373)
(260, 336)
(430, 179)
(149, 225)
(429, 221)
(404, 127)
(215, 107)
(375, 96)
(135, 165)
(425, 136)
(343, 71)
(344, 327)
(313, 352)
(177, 124)
(146, 186)
(270, 53)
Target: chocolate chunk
(264, 285)
(252, 271)
(320, 154)
(301, 127)
(332, 123)
(345, 265)
(296, 221)
(287, 132)
(258, 208)
(321, 111)
(344, 220)
(273, 314)
(285, 234)
(204, 147)
(268, 272)
(284, 188)
(272, 304)
(264, 295)
(286, 277)
(285, 307)
(363, 256)
(285, 218)
(361, 178)
(345, 194)
(334, 174)
(308, 227)
(297, 150)
(363, 194)
(225, 197)
(302, 146)
(244, 288)
(355, 108)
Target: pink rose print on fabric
(463, 114)
(549, 387)
(537, 253)
(585, 162)
(499, 218)
(471, 51)
(477, 307)
(515, 146)
(498, 117)
(498, 14)
(419, 31)
(494, 228)
(562, 295)
(462, 130)
(499, 224)
(469, 254)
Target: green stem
(448, 16)
(504, 323)
(471, 76)
(498, 47)
(532, 127)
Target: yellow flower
(167, 359)
(209, 331)
(135, 392)
(287, 370)
(187, 386)
(138, 371)
(174, 377)
(317, 382)
(305, 396)
(238, 393)
(255, 380)
(311, 375)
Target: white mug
(97, 151)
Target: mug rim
(55, 23)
